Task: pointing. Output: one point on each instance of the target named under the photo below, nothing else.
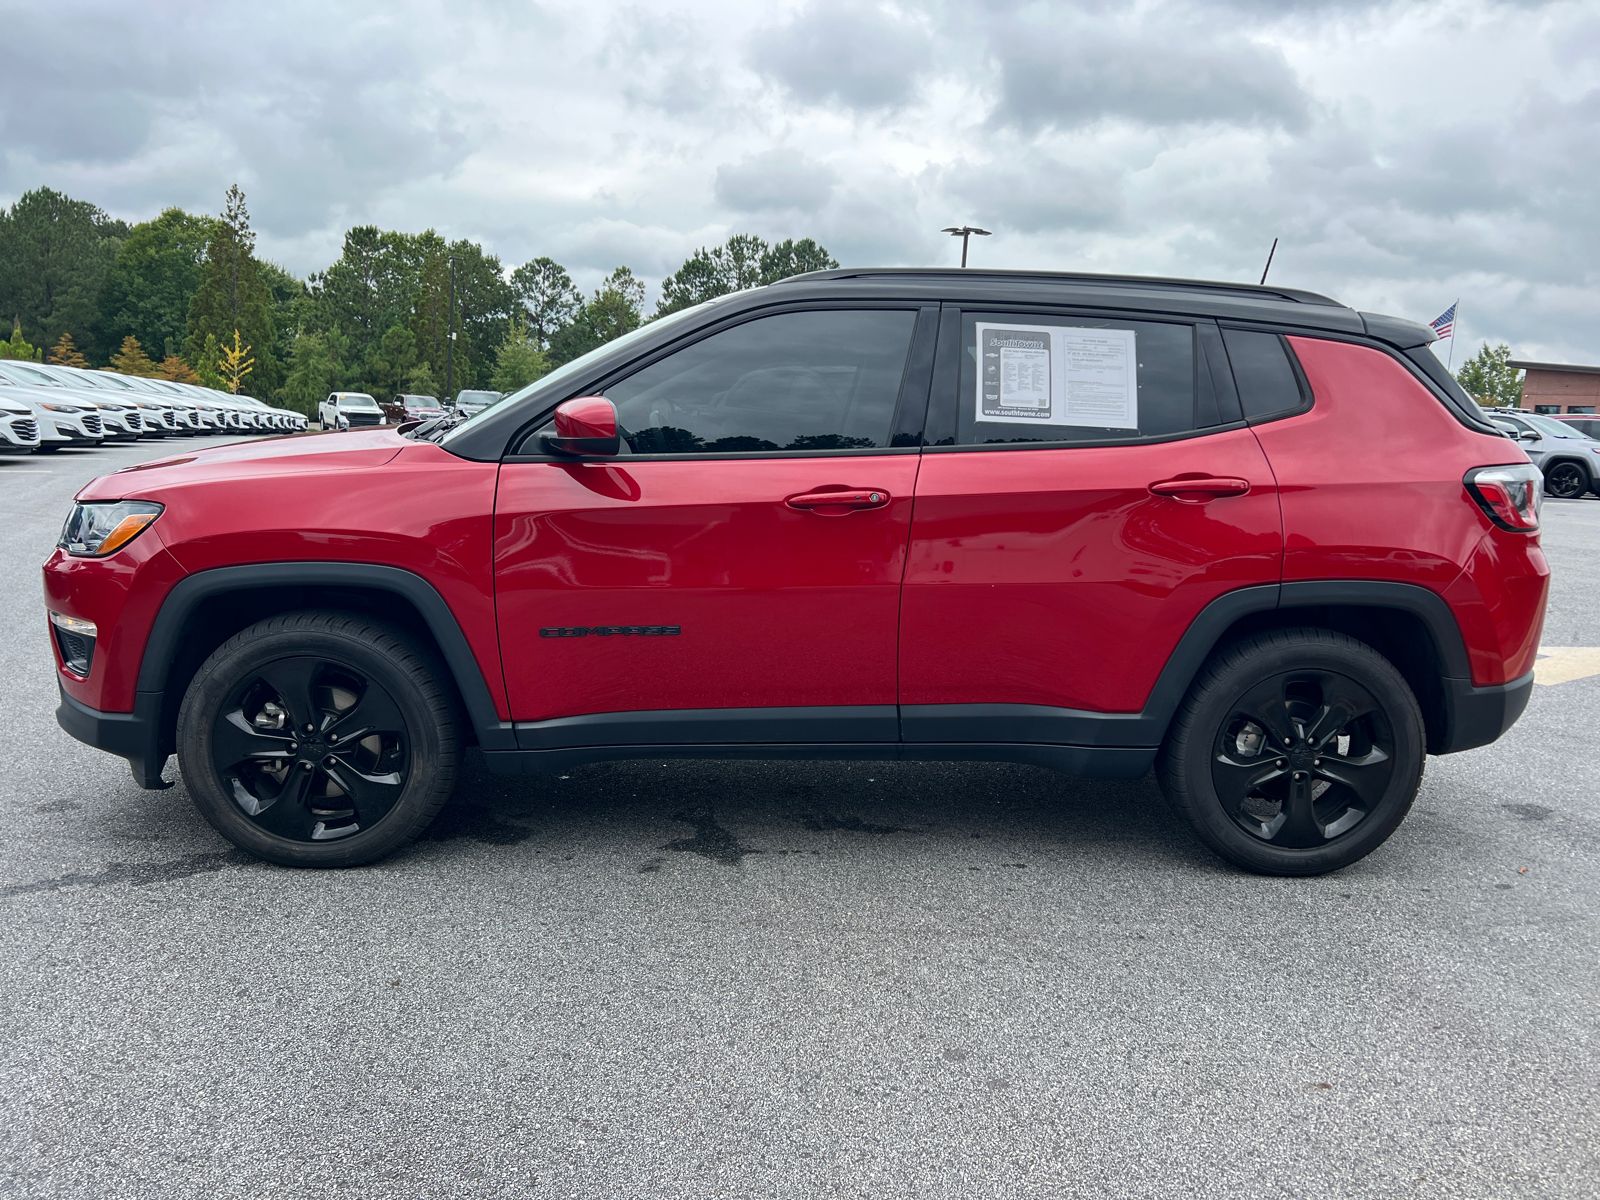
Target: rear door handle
(852, 499)
(1201, 489)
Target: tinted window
(795, 381)
(1267, 382)
(1027, 377)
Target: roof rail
(1294, 295)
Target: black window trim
(945, 405)
(1307, 399)
(910, 405)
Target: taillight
(1509, 496)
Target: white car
(120, 421)
(19, 428)
(349, 410)
(62, 419)
(158, 418)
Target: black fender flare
(167, 631)
(1148, 727)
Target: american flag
(1444, 324)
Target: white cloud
(1406, 153)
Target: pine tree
(65, 353)
(174, 368)
(232, 298)
(132, 360)
(207, 364)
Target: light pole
(450, 344)
(964, 232)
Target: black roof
(1082, 278)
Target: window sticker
(1057, 375)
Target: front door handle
(845, 501)
(1199, 489)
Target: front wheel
(317, 739)
(1297, 752)
(1566, 481)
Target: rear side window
(824, 380)
(1268, 383)
(1067, 380)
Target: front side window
(1067, 379)
(825, 380)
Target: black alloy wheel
(1304, 758)
(311, 750)
(1297, 752)
(318, 739)
(1566, 481)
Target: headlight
(60, 408)
(99, 528)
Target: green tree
(153, 281)
(613, 310)
(706, 274)
(18, 347)
(232, 296)
(1489, 378)
(390, 362)
(519, 360)
(421, 381)
(790, 257)
(545, 294)
(208, 363)
(316, 367)
(132, 360)
(55, 254)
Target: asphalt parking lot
(725, 979)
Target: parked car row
(44, 406)
(356, 410)
(1562, 448)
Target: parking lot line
(1563, 664)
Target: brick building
(1559, 387)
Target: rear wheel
(1297, 752)
(1566, 481)
(317, 739)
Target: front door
(734, 574)
(1098, 489)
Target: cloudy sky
(1406, 153)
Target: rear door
(734, 575)
(1090, 486)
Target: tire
(1566, 481)
(274, 790)
(1238, 764)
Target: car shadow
(724, 810)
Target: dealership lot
(757, 979)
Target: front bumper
(134, 736)
(1476, 716)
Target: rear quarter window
(1269, 385)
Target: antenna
(1270, 253)
(964, 232)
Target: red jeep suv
(1246, 536)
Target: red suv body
(1066, 520)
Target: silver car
(1569, 458)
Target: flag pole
(1455, 327)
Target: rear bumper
(134, 736)
(1476, 716)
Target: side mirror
(1527, 435)
(585, 425)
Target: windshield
(19, 374)
(1552, 428)
(583, 361)
(361, 402)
